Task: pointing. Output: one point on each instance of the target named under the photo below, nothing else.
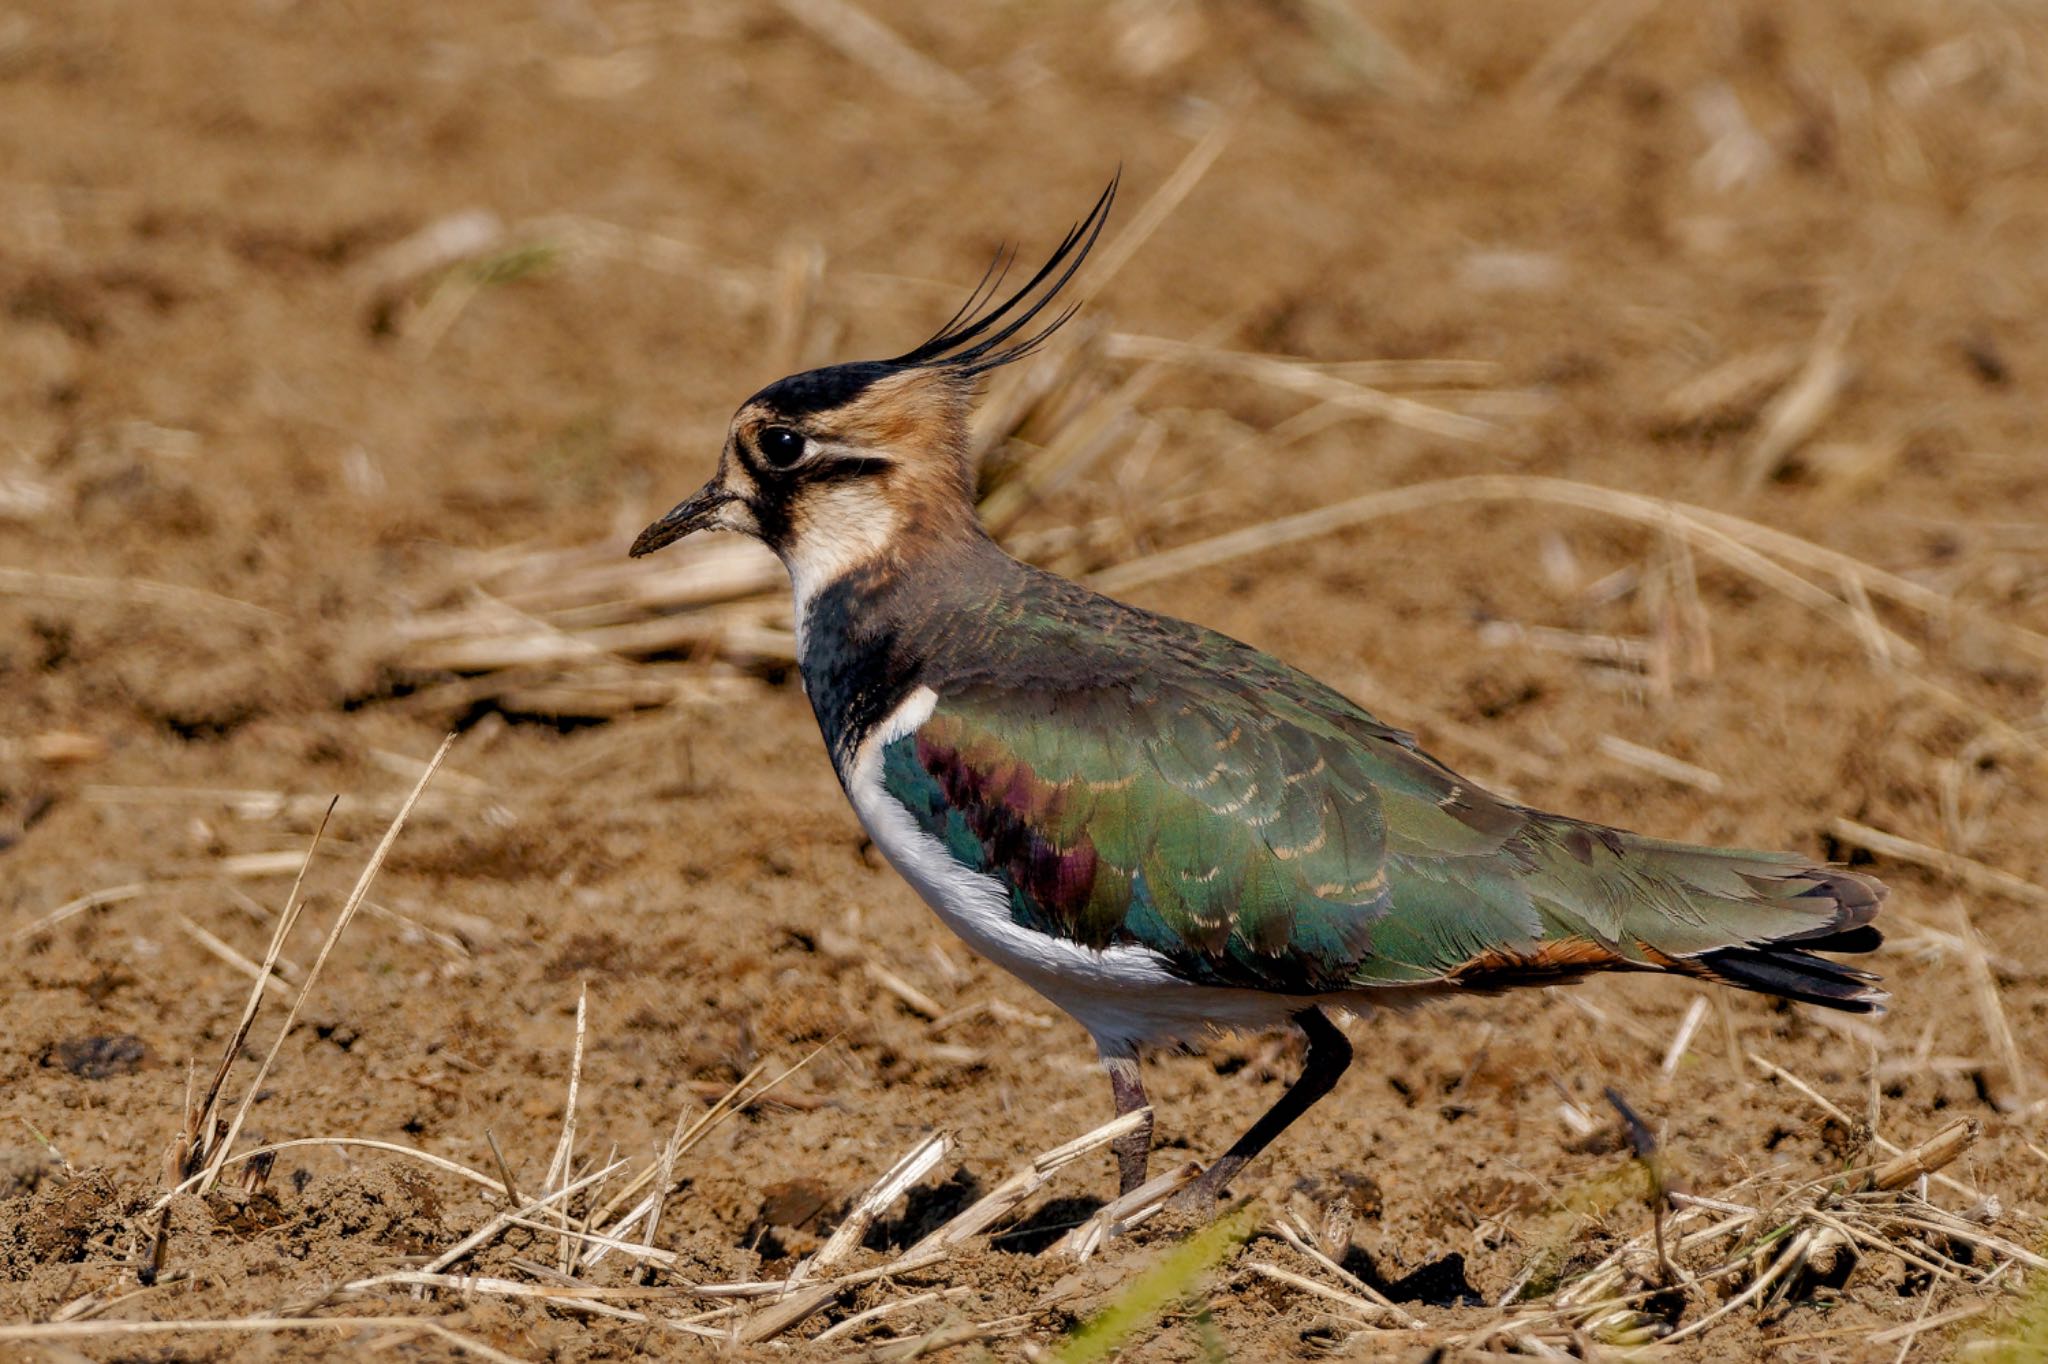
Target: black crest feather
(978, 338)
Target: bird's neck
(867, 637)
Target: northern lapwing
(1162, 830)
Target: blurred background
(343, 347)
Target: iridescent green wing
(1242, 821)
(1257, 829)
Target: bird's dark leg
(1329, 1054)
(1134, 1148)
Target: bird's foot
(1198, 1202)
(1206, 1193)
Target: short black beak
(693, 515)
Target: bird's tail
(1790, 969)
(1752, 920)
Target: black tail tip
(1791, 973)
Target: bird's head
(833, 467)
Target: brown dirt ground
(198, 388)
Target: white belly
(1124, 995)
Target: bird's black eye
(780, 446)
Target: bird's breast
(973, 903)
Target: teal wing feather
(1257, 829)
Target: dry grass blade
(2013, 1088)
(1367, 52)
(785, 1313)
(634, 1250)
(257, 865)
(805, 1298)
(739, 629)
(948, 1337)
(1688, 1027)
(1110, 257)
(914, 1165)
(91, 1305)
(511, 1288)
(286, 921)
(1365, 1309)
(1967, 871)
(1613, 650)
(504, 1168)
(224, 950)
(83, 904)
(998, 1202)
(1945, 1224)
(800, 272)
(197, 1149)
(341, 923)
(1820, 1102)
(1915, 1328)
(598, 583)
(23, 582)
(367, 1143)
(515, 1217)
(1309, 381)
(1443, 373)
(1715, 538)
(1802, 405)
(866, 40)
(908, 1262)
(860, 1319)
(584, 1299)
(1610, 1019)
(1293, 1236)
(96, 1330)
(1661, 764)
(664, 1179)
(1879, 582)
(1729, 392)
(1119, 1215)
(725, 1106)
(565, 1146)
(913, 999)
(255, 805)
(1580, 50)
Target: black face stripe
(767, 499)
(771, 515)
(843, 469)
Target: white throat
(842, 530)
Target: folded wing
(1256, 829)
